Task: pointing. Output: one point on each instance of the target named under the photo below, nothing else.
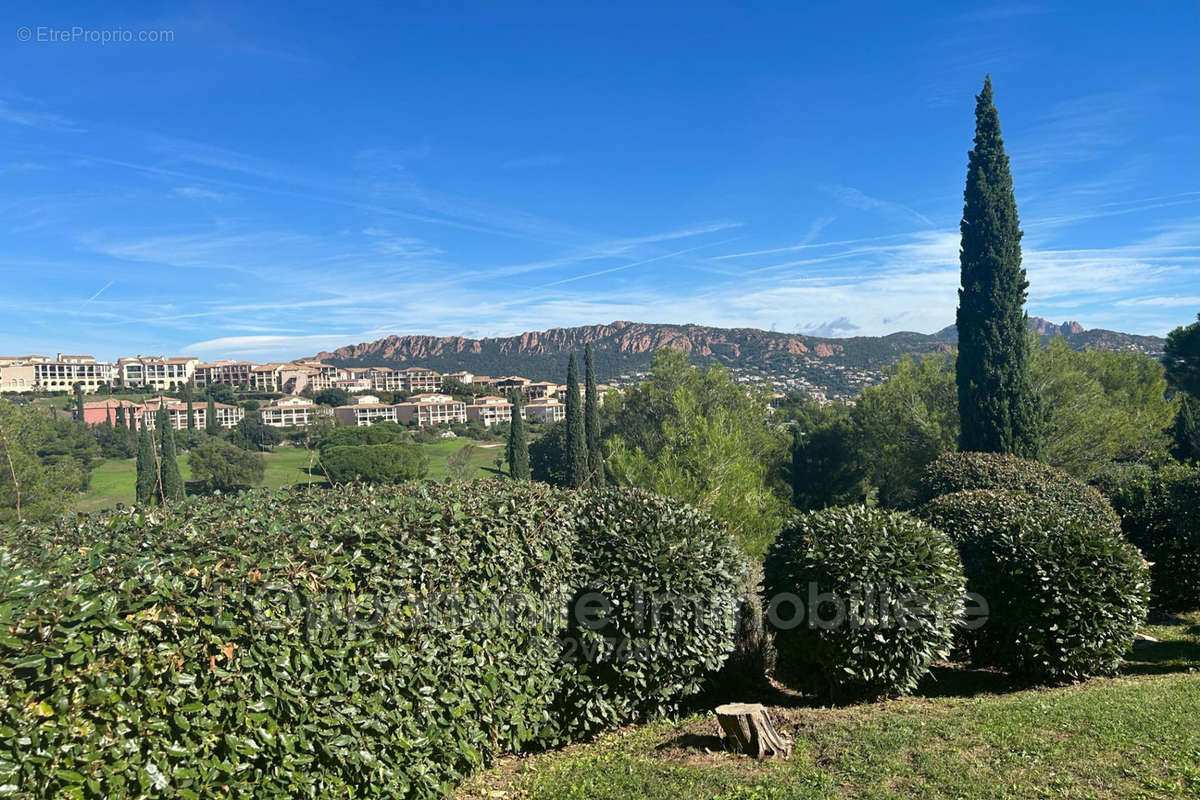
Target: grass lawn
(967, 736)
(113, 479)
(483, 457)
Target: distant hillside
(623, 349)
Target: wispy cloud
(854, 198)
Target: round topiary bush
(299, 643)
(1065, 591)
(660, 584)
(861, 600)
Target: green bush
(375, 463)
(1160, 513)
(217, 464)
(352, 435)
(897, 582)
(1065, 591)
(661, 584)
(959, 472)
(302, 643)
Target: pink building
(96, 413)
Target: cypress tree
(591, 420)
(210, 419)
(79, 400)
(187, 396)
(172, 480)
(517, 452)
(121, 417)
(577, 457)
(996, 402)
(147, 468)
(1185, 431)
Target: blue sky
(291, 178)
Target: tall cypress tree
(172, 480)
(996, 403)
(187, 396)
(577, 457)
(211, 427)
(121, 416)
(1186, 431)
(517, 452)
(591, 420)
(147, 468)
(79, 400)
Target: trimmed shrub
(375, 463)
(896, 587)
(383, 432)
(1160, 513)
(302, 643)
(655, 616)
(1066, 592)
(960, 472)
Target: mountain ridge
(838, 366)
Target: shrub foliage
(881, 593)
(661, 585)
(360, 641)
(1160, 513)
(1065, 591)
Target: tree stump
(747, 729)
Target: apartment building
(354, 385)
(461, 377)
(17, 373)
(155, 372)
(536, 390)
(430, 409)
(365, 413)
(420, 379)
(321, 375)
(235, 373)
(491, 410)
(103, 411)
(227, 415)
(601, 389)
(511, 382)
(63, 373)
(547, 409)
(288, 412)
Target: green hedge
(664, 583)
(960, 472)
(1066, 592)
(363, 641)
(153, 653)
(1160, 513)
(861, 600)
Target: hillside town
(427, 401)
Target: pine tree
(211, 427)
(591, 420)
(1185, 431)
(577, 457)
(147, 468)
(172, 480)
(517, 452)
(996, 402)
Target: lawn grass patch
(1132, 736)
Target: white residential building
(292, 412)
